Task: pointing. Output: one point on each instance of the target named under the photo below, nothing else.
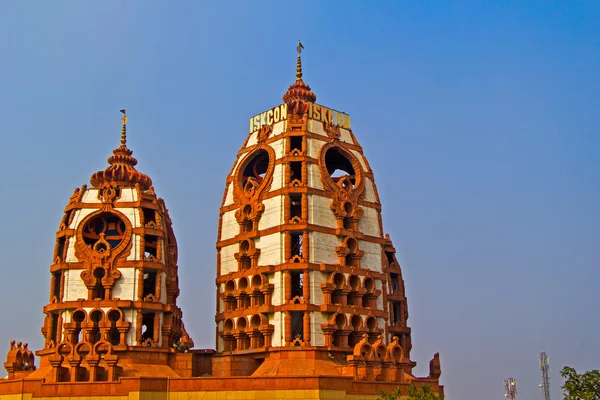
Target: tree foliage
(584, 386)
(414, 393)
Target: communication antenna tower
(510, 385)
(545, 367)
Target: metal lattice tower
(545, 367)
(510, 385)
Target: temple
(310, 296)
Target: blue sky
(480, 121)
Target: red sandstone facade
(310, 295)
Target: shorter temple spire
(299, 62)
(124, 128)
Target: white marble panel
(316, 127)
(277, 281)
(271, 249)
(279, 148)
(252, 140)
(90, 196)
(276, 320)
(273, 214)
(314, 177)
(228, 261)
(322, 248)
(313, 147)
(345, 136)
(229, 195)
(126, 286)
(229, 225)
(74, 288)
(279, 128)
(369, 223)
(127, 195)
(369, 191)
(317, 338)
(319, 212)
(278, 178)
(361, 159)
(136, 253)
(372, 259)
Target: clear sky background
(480, 121)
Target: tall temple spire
(299, 91)
(299, 62)
(124, 128)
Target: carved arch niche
(102, 238)
(342, 174)
(253, 178)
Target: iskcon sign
(315, 112)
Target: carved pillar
(51, 329)
(93, 364)
(59, 328)
(307, 327)
(287, 203)
(52, 286)
(140, 287)
(288, 171)
(287, 284)
(304, 206)
(288, 327)
(74, 363)
(158, 285)
(156, 332)
(139, 320)
(306, 286)
(304, 171)
(62, 286)
(327, 295)
(288, 245)
(305, 245)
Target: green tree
(584, 386)
(414, 393)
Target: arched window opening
(295, 205)
(394, 283)
(297, 284)
(114, 335)
(296, 145)
(296, 244)
(255, 170)
(397, 315)
(150, 247)
(56, 277)
(95, 334)
(338, 166)
(149, 283)
(78, 318)
(339, 295)
(148, 326)
(149, 218)
(297, 325)
(348, 223)
(295, 171)
(105, 225)
(60, 251)
(99, 291)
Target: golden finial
(299, 62)
(124, 128)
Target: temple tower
(303, 264)
(114, 281)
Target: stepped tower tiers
(114, 281)
(303, 265)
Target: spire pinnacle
(299, 62)
(124, 128)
